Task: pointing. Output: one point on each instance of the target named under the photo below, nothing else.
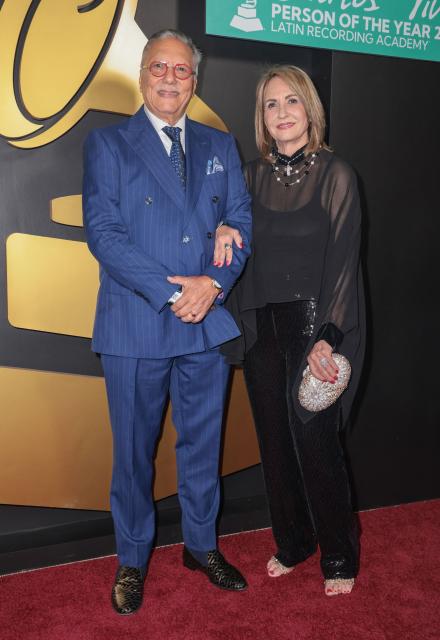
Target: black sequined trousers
(304, 468)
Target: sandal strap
(280, 565)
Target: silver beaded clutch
(315, 395)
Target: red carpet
(396, 597)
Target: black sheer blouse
(289, 238)
(306, 241)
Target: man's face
(167, 97)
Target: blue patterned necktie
(177, 155)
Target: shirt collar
(159, 124)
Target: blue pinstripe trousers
(137, 390)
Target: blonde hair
(299, 82)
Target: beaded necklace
(282, 166)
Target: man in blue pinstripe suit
(156, 187)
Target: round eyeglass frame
(167, 66)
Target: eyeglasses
(159, 69)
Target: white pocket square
(214, 166)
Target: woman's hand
(321, 362)
(224, 238)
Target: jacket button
(209, 235)
(215, 199)
(186, 239)
(148, 200)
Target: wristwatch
(217, 285)
(174, 298)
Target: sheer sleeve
(341, 300)
(247, 173)
(331, 334)
(338, 300)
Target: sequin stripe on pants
(304, 468)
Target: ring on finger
(228, 246)
(323, 362)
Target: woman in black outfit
(298, 300)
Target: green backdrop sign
(402, 28)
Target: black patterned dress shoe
(219, 571)
(128, 590)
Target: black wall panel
(385, 122)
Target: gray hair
(178, 35)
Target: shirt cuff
(331, 334)
(174, 298)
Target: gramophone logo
(246, 17)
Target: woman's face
(285, 116)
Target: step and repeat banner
(401, 28)
(66, 66)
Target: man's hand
(198, 294)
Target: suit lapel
(143, 139)
(197, 148)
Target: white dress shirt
(159, 124)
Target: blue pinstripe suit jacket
(142, 226)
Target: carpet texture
(396, 597)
